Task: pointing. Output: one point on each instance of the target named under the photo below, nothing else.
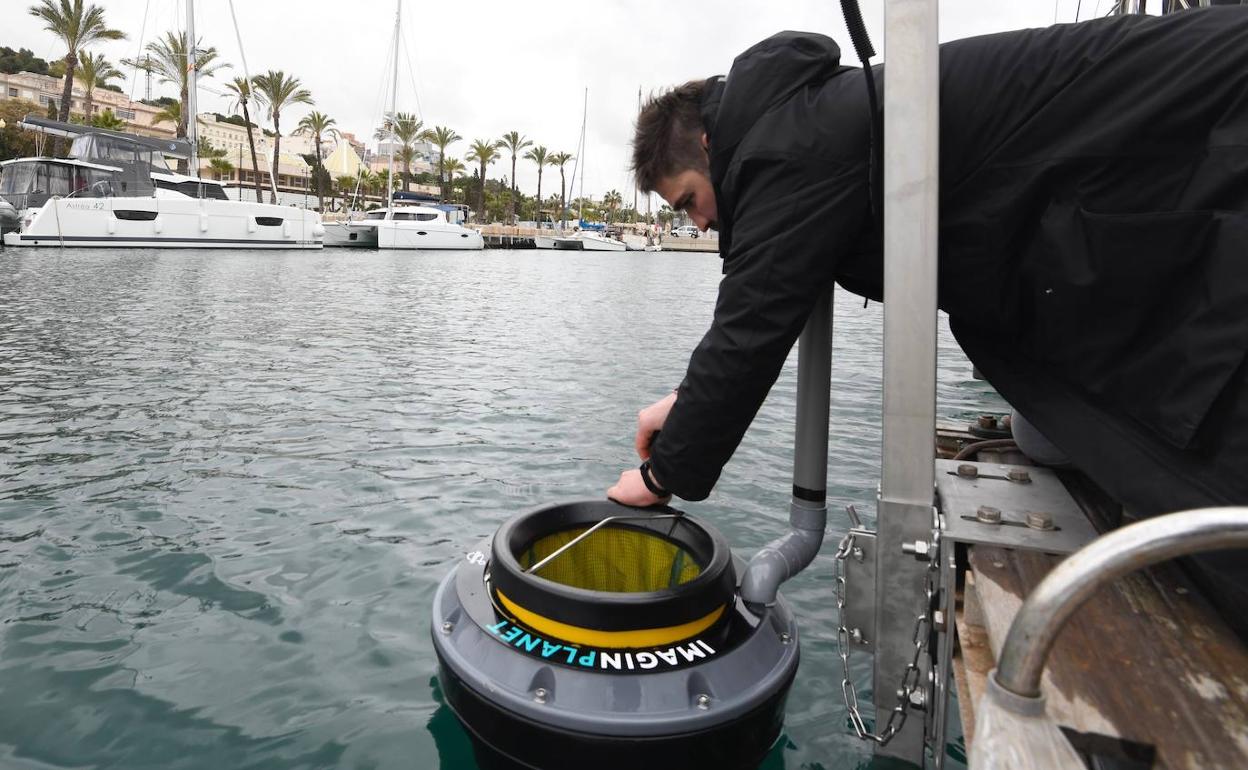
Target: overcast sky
(484, 68)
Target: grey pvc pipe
(788, 555)
(1107, 558)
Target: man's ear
(706, 144)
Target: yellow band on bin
(641, 637)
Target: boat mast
(192, 120)
(580, 207)
(394, 97)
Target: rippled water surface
(230, 482)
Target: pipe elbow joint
(784, 557)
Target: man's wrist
(652, 483)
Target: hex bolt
(785, 638)
(856, 635)
(918, 699)
(968, 471)
(857, 553)
(1040, 520)
(703, 701)
(988, 515)
(920, 549)
(1019, 476)
(987, 421)
(540, 695)
(448, 627)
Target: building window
(125, 114)
(45, 100)
(12, 93)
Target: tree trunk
(183, 123)
(563, 206)
(67, 95)
(277, 153)
(255, 164)
(481, 196)
(87, 104)
(538, 215)
(513, 189)
(320, 191)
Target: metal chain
(912, 676)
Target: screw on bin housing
(968, 471)
(448, 627)
(541, 694)
(703, 701)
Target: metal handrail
(1071, 583)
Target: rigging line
(1078, 8)
(1055, 4)
(411, 74)
(242, 54)
(134, 73)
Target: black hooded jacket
(1093, 240)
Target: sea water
(231, 481)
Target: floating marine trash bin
(589, 634)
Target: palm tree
(514, 141)
(220, 167)
(168, 57)
(318, 125)
(78, 27)
(407, 129)
(442, 137)
(346, 186)
(277, 91)
(171, 113)
(96, 71)
(561, 159)
(612, 200)
(541, 156)
(454, 167)
(108, 119)
(483, 152)
(239, 90)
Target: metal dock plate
(960, 499)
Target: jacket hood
(762, 76)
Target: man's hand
(650, 421)
(631, 490)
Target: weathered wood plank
(1145, 659)
(972, 658)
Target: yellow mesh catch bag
(616, 559)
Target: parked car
(685, 231)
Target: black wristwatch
(652, 485)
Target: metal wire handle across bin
(561, 549)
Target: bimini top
(179, 149)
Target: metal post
(911, 131)
(192, 120)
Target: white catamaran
(115, 189)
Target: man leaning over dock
(1093, 243)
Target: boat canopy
(179, 149)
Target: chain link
(910, 678)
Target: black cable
(862, 46)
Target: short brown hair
(668, 136)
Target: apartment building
(44, 90)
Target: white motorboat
(115, 190)
(405, 227)
(599, 242)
